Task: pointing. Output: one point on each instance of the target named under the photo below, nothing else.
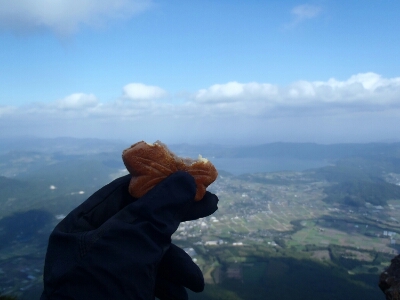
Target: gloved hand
(114, 246)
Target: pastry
(149, 164)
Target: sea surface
(238, 166)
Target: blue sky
(201, 71)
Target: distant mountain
(65, 145)
(21, 156)
(309, 151)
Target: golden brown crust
(150, 164)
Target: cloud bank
(364, 107)
(64, 17)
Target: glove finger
(203, 208)
(99, 207)
(165, 203)
(166, 290)
(178, 267)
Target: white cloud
(370, 81)
(77, 101)
(363, 91)
(64, 16)
(365, 106)
(306, 11)
(235, 91)
(303, 12)
(140, 91)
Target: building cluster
(391, 236)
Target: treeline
(358, 180)
(287, 278)
(357, 193)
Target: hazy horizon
(127, 141)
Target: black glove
(114, 246)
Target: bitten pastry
(149, 164)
